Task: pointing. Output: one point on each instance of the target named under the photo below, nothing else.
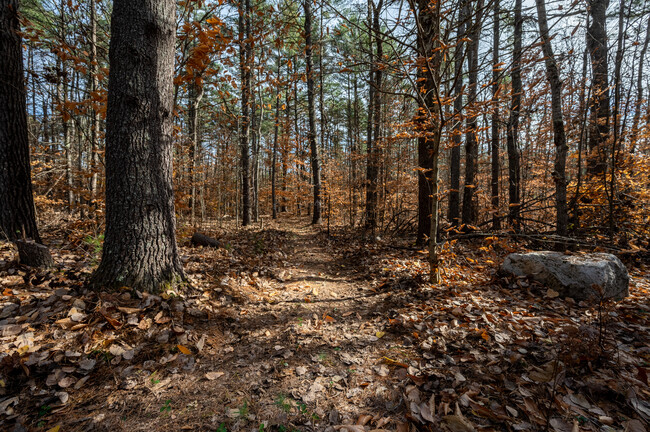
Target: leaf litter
(290, 328)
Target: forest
(320, 215)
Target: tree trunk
(195, 95)
(559, 137)
(639, 90)
(430, 116)
(374, 120)
(286, 131)
(512, 131)
(315, 162)
(456, 134)
(94, 122)
(321, 78)
(17, 215)
(597, 46)
(496, 220)
(274, 158)
(356, 124)
(62, 91)
(244, 67)
(470, 204)
(140, 249)
(617, 132)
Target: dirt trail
(301, 351)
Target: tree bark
(512, 131)
(94, 122)
(140, 250)
(639, 92)
(245, 133)
(456, 134)
(374, 120)
(199, 239)
(597, 46)
(559, 137)
(195, 95)
(17, 215)
(470, 204)
(496, 220)
(315, 161)
(33, 254)
(274, 158)
(430, 117)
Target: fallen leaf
(184, 350)
(458, 424)
(211, 376)
(551, 293)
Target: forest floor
(289, 328)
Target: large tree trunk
(512, 131)
(456, 133)
(597, 46)
(140, 248)
(315, 162)
(470, 204)
(17, 218)
(559, 137)
(245, 133)
(496, 220)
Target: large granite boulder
(581, 277)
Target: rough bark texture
(559, 136)
(245, 123)
(597, 46)
(374, 117)
(426, 102)
(34, 254)
(140, 248)
(429, 59)
(199, 239)
(315, 161)
(512, 130)
(17, 218)
(454, 169)
(470, 203)
(496, 221)
(94, 122)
